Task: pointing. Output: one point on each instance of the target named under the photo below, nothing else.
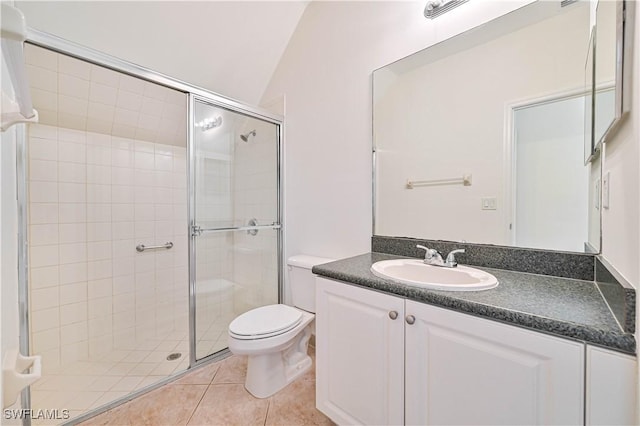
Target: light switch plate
(605, 190)
(597, 196)
(489, 203)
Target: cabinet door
(611, 388)
(466, 370)
(359, 355)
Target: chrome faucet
(434, 257)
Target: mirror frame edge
(625, 26)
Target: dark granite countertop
(560, 306)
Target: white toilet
(275, 337)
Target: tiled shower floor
(86, 385)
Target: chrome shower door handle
(252, 222)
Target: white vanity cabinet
(611, 387)
(433, 366)
(359, 355)
(466, 370)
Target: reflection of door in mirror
(551, 202)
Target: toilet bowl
(275, 338)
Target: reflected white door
(549, 165)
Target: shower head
(245, 137)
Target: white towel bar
(466, 180)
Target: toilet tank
(302, 280)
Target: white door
(359, 354)
(466, 370)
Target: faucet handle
(429, 253)
(426, 250)
(451, 257)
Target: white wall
(325, 74)
(74, 94)
(621, 222)
(228, 47)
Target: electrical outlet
(489, 203)
(605, 190)
(597, 195)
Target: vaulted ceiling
(229, 47)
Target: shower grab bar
(142, 247)
(465, 180)
(196, 231)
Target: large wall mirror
(612, 67)
(480, 138)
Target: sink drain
(173, 356)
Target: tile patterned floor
(215, 395)
(86, 385)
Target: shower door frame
(69, 48)
(195, 231)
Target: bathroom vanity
(534, 350)
(455, 161)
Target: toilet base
(268, 373)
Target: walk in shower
(152, 210)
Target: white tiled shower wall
(237, 181)
(74, 94)
(255, 189)
(214, 252)
(93, 198)
(214, 208)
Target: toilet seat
(265, 321)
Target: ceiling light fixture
(435, 8)
(209, 123)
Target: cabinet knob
(393, 314)
(410, 319)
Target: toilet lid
(265, 321)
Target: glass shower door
(235, 220)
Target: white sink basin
(416, 273)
